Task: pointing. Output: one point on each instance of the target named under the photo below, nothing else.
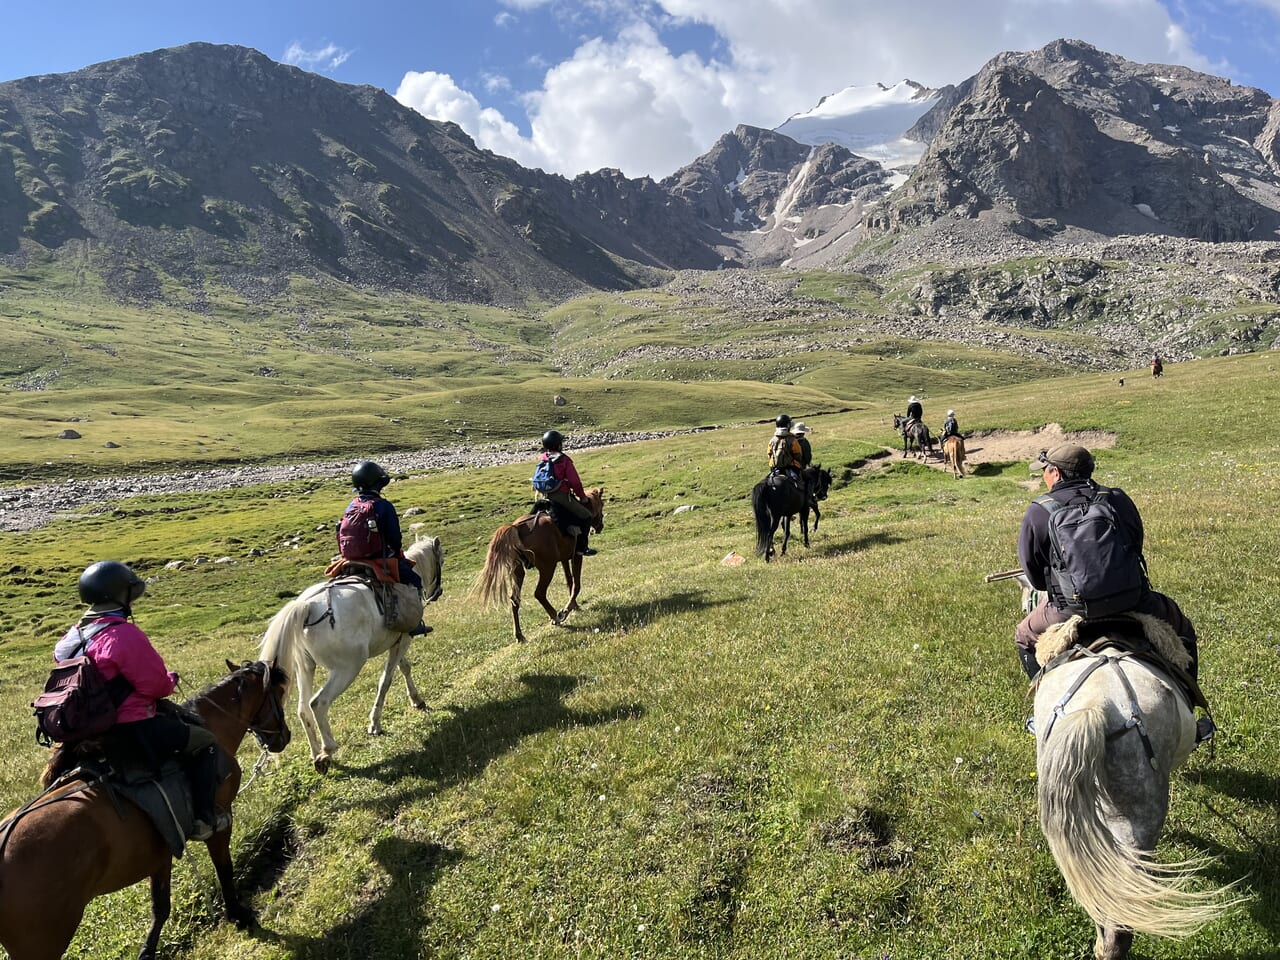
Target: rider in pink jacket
(121, 650)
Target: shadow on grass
(628, 615)
(389, 925)
(1257, 863)
(840, 548)
(464, 744)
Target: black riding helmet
(783, 421)
(552, 440)
(110, 581)
(367, 475)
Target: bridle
(259, 732)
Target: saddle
(159, 788)
(565, 522)
(399, 603)
(1149, 639)
(779, 478)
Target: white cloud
(627, 101)
(504, 19)
(495, 82)
(328, 57)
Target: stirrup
(1205, 729)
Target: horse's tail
(494, 584)
(283, 634)
(1116, 885)
(764, 519)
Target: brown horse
(534, 541)
(76, 841)
(953, 454)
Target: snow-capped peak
(868, 120)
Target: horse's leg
(540, 591)
(817, 515)
(410, 687)
(1113, 943)
(220, 853)
(384, 684)
(306, 680)
(573, 579)
(786, 533)
(804, 524)
(161, 882)
(340, 677)
(517, 581)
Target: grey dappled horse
(1111, 729)
(915, 435)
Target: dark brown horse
(75, 842)
(914, 435)
(534, 541)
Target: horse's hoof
(242, 917)
(375, 730)
(421, 705)
(321, 764)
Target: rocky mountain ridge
(212, 161)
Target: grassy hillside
(823, 757)
(305, 370)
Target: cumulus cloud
(504, 19)
(326, 58)
(628, 101)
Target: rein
(1135, 721)
(277, 709)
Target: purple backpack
(77, 703)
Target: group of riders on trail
(915, 414)
(1079, 547)
(146, 728)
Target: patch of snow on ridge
(867, 120)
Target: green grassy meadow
(818, 758)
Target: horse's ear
(232, 667)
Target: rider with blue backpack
(556, 478)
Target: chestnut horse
(76, 841)
(534, 541)
(953, 454)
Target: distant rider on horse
(128, 662)
(800, 431)
(915, 411)
(950, 426)
(369, 531)
(568, 494)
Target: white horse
(1110, 730)
(338, 626)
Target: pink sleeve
(570, 478)
(128, 648)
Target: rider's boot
(584, 550)
(421, 630)
(202, 771)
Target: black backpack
(1095, 569)
(77, 703)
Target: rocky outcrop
(1268, 142)
(1071, 134)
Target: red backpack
(358, 535)
(77, 703)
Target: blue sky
(642, 85)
